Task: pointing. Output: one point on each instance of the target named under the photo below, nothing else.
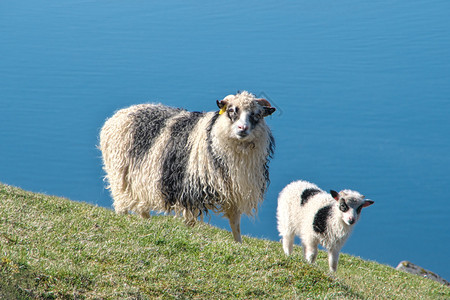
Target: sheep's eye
(343, 207)
(233, 110)
(232, 113)
(254, 119)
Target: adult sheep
(165, 159)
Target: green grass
(54, 248)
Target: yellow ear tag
(222, 110)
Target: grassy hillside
(53, 248)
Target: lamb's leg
(333, 258)
(310, 251)
(235, 220)
(288, 242)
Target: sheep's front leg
(235, 223)
(333, 258)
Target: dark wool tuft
(307, 194)
(175, 158)
(270, 150)
(203, 197)
(148, 123)
(321, 218)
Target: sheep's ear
(222, 104)
(268, 109)
(335, 195)
(368, 203)
(263, 102)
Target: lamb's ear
(368, 203)
(335, 195)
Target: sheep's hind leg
(235, 220)
(120, 203)
(145, 214)
(189, 217)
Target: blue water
(362, 91)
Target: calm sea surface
(362, 90)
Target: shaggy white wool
(135, 183)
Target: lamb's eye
(359, 209)
(343, 207)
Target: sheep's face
(244, 113)
(350, 204)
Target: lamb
(317, 218)
(165, 159)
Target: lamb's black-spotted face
(350, 204)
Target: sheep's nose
(351, 221)
(243, 127)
